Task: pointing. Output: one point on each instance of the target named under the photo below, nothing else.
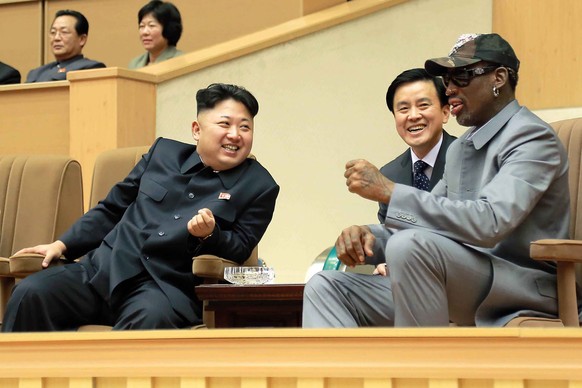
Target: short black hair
(167, 15)
(413, 75)
(82, 25)
(207, 98)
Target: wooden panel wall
(113, 35)
(21, 30)
(546, 36)
(34, 118)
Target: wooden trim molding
(301, 357)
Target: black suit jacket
(57, 71)
(400, 170)
(8, 75)
(142, 223)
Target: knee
(406, 249)
(320, 283)
(29, 289)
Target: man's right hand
(354, 244)
(50, 251)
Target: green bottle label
(332, 262)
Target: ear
(83, 40)
(501, 77)
(196, 130)
(446, 110)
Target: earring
(495, 91)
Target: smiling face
(224, 135)
(150, 34)
(64, 40)
(419, 115)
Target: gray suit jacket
(399, 170)
(143, 60)
(57, 71)
(503, 188)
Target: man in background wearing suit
(137, 244)
(68, 36)
(8, 74)
(459, 253)
(420, 108)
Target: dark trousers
(61, 298)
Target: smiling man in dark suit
(68, 36)
(137, 244)
(420, 108)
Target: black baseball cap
(473, 48)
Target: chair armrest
(5, 267)
(566, 253)
(26, 264)
(211, 267)
(556, 250)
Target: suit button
(190, 195)
(161, 234)
(177, 216)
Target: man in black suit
(68, 36)
(8, 74)
(137, 244)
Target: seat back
(40, 197)
(111, 167)
(570, 133)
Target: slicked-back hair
(167, 15)
(207, 98)
(82, 24)
(413, 75)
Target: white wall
(322, 103)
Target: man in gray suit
(68, 36)
(461, 252)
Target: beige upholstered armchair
(40, 197)
(567, 253)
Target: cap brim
(440, 66)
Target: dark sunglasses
(463, 77)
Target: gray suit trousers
(432, 281)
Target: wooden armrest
(26, 264)
(556, 250)
(566, 253)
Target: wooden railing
(447, 358)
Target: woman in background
(160, 28)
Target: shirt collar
(481, 136)
(431, 157)
(67, 61)
(228, 177)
